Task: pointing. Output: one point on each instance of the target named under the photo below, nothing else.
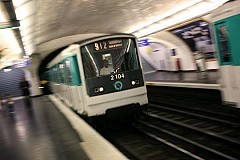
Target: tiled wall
(146, 66)
(9, 82)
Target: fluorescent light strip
(196, 10)
(7, 70)
(25, 12)
(168, 14)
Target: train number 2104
(117, 76)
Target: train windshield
(108, 56)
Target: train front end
(113, 75)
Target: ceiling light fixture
(7, 70)
(25, 13)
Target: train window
(76, 79)
(223, 42)
(61, 72)
(89, 63)
(121, 54)
(55, 74)
(68, 72)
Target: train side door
(224, 41)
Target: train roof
(94, 38)
(229, 9)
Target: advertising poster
(197, 36)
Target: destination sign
(108, 44)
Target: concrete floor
(41, 133)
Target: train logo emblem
(118, 85)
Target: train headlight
(135, 82)
(98, 89)
(101, 89)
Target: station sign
(22, 63)
(143, 43)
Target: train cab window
(127, 59)
(121, 54)
(107, 65)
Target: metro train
(226, 20)
(77, 79)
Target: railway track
(137, 145)
(174, 130)
(155, 137)
(205, 144)
(220, 126)
(199, 101)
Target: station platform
(188, 79)
(50, 131)
(54, 132)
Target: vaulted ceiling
(46, 25)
